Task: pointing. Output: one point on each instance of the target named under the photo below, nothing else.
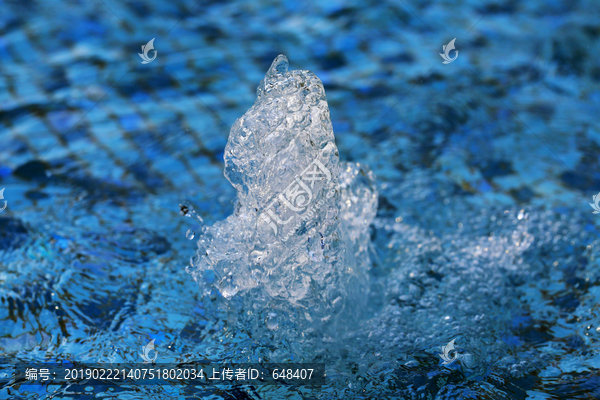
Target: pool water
(485, 169)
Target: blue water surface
(485, 166)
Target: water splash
(296, 248)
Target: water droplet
(184, 209)
(271, 322)
(190, 234)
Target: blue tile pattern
(97, 151)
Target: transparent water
(516, 289)
(484, 170)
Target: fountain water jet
(292, 261)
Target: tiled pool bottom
(93, 249)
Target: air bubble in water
(271, 322)
(227, 287)
(190, 234)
